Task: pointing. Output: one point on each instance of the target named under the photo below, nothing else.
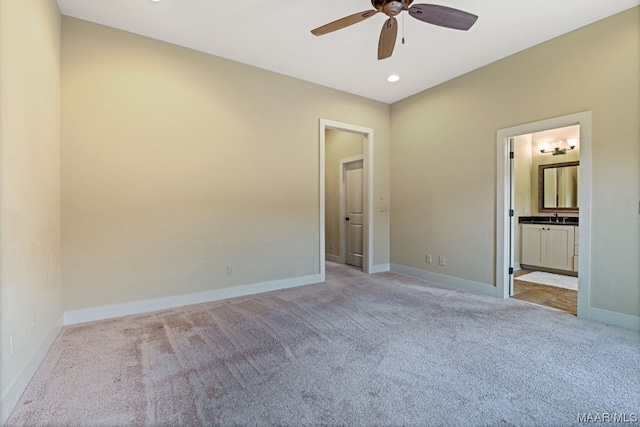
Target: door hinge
(510, 270)
(512, 212)
(511, 155)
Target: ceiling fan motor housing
(391, 7)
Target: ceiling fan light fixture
(393, 8)
(393, 78)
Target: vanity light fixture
(556, 148)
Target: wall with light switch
(443, 156)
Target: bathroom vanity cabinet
(549, 246)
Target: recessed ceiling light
(393, 78)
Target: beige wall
(443, 155)
(339, 145)
(176, 164)
(29, 181)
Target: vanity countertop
(560, 220)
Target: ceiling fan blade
(343, 22)
(443, 16)
(387, 38)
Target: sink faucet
(556, 218)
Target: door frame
(343, 203)
(504, 240)
(367, 189)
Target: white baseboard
(137, 307)
(599, 315)
(380, 268)
(464, 284)
(616, 319)
(333, 258)
(19, 385)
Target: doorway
(365, 136)
(351, 212)
(544, 187)
(508, 226)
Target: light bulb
(543, 146)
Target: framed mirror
(558, 187)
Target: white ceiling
(275, 35)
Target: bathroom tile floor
(549, 296)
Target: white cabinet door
(531, 238)
(559, 247)
(550, 246)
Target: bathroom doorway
(543, 241)
(545, 184)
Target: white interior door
(512, 226)
(354, 220)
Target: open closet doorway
(346, 229)
(544, 210)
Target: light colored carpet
(357, 350)
(551, 279)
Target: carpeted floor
(357, 350)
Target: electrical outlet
(441, 260)
(11, 345)
(229, 270)
(331, 245)
(33, 322)
(429, 259)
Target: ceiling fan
(431, 13)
